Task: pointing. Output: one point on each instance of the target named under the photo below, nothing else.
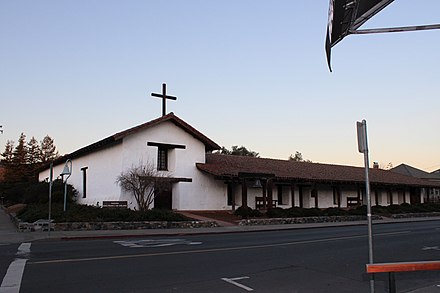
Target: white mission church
(202, 180)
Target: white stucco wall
(203, 192)
(103, 168)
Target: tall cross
(164, 98)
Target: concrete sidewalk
(9, 233)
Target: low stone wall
(89, 226)
(85, 226)
(304, 220)
(415, 215)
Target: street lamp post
(66, 171)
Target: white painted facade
(105, 165)
(204, 192)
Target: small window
(84, 175)
(162, 159)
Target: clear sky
(245, 72)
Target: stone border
(304, 220)
(93, 226)
(88, 226)
(415, 215)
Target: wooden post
(315, 195)
(292, 193)
(269, 193)
(264, 189)
(300, 196)
(338, 190)
(243, 193)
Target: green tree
(19, 155)
(7, 154)
(19, 170)
(239, 151)
(33, 152)
(298, 157)
(48, 150)
(7, 160)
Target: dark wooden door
(163, 199)
(414, 195)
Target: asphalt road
(309, 260)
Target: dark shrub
(34, 193)
(276, 213)
(358, 211)
(379, 210)
(294, 212)
(330, 212)
(312, 212)
(247, 212)
(84, 213)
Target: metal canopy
(346, 16)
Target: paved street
(306, 260)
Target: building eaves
(226, 166)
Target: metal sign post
(50, 194)
(363, 148)
(66, 171)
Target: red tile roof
(227, 166)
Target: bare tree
(144, 182)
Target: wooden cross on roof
(164, 97)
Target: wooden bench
(259, 203)
(115, 204)
(392, 268)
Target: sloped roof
(118, 137)
(414, 172)
(227, 166)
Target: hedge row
(84, 213)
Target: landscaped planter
(304, 220)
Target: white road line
(232, 281)
(12, 281)
(392, 233)
(210, 250)
(24, 249)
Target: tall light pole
(66, 171)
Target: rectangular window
(280, 194)
(84, 174)
(162, 159)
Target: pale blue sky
(245, 72)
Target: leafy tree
(239, 151)
(48, 150)
(144, 182)
(298, 157)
